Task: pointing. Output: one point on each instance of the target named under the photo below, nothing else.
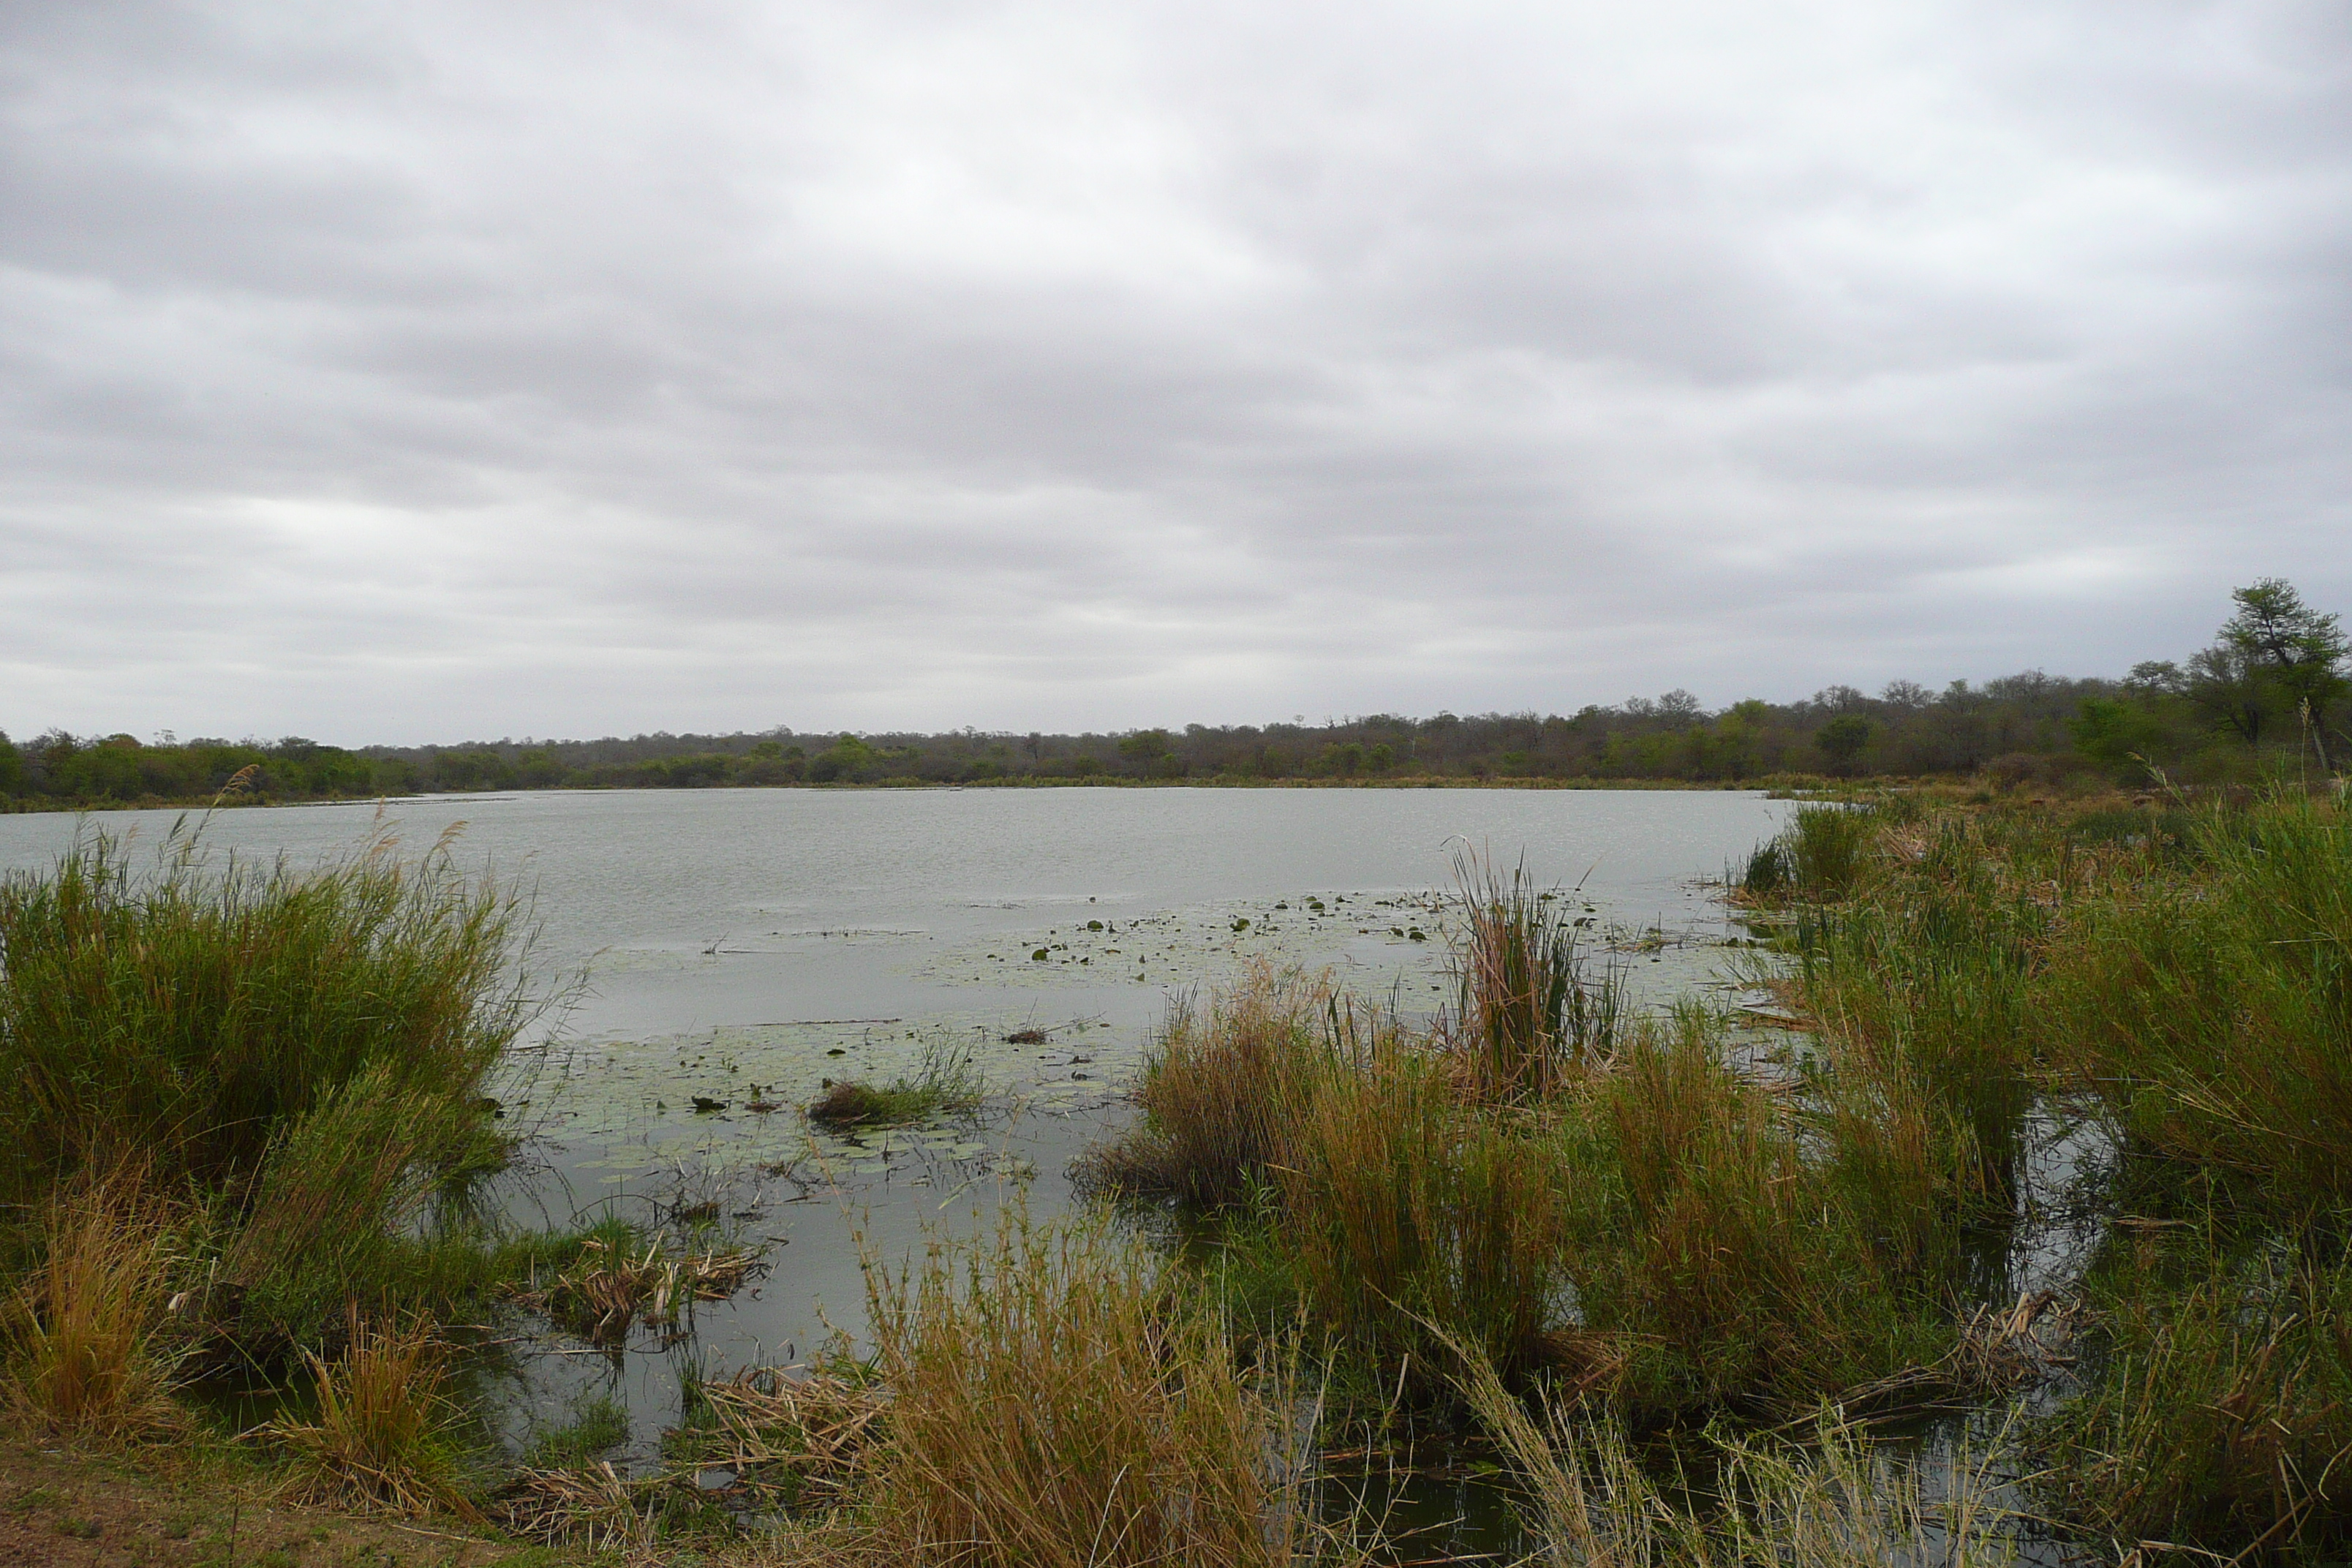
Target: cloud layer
(412, 372)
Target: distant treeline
(2273, 686)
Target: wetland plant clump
(944, 1084)
(386, 1429)
(1055, 1404)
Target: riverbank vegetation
(2269, 691)
(2030, 1136)
(2059, 1137)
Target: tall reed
(1718, 1235)
(2220, 1419)
(192, 1014)
(1836, 1501)
(1528, 1020)
(1056, 1404)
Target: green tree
(2277, 658)
(12, 767)
(2117, 733)
(1843, 738)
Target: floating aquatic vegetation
(611, 1287)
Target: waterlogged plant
(1528, 1022)
(945, 1083)
(386, 1431)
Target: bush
(195, 1016)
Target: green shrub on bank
(293, 1060)
(195, 1016)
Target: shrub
(193, 1016)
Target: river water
(744, 946)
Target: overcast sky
(418, 372)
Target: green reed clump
(2208, 1012)
(1528, 1022)
(1056, 1401)
(1825, 847)
(2220, 1419)
(598, 1423)
(1738, 1257)
(336, 1210)
(1221, 1095)
(1405, 1212)
(193, 1015)
(944, 1084)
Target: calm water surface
(777, 938)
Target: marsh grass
(1527, 1021)
(598, 1423)
(944, 1084)
(385, 1428)
(1224, 1091)
(2220, 1421)
(1838, 1501)
(193, 1015)
(2208, 1012)
(1400, 1208)
(1718, 1237)
(1055, 1402)
(91, 1354)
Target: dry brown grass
(590, 1507)
(91, 1356)
(1053, 1406)
(383, 1434)
(608, 1289)
(809, 1436)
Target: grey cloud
(412, 372)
